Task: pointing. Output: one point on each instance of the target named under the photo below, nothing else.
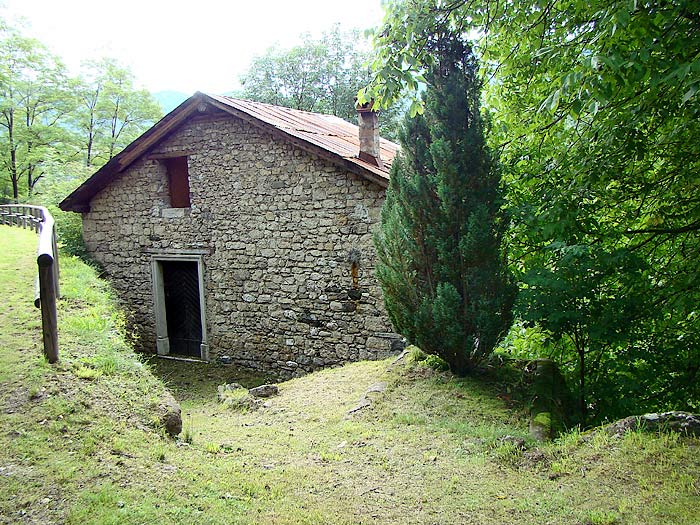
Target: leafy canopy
(321, 75)
(51, 123)
(595, 111)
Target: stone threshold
(183, 359)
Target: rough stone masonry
(285, 238)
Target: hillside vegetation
(79, 442)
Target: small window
(178, 182)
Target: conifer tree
(441, 265)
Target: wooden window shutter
(178, 182)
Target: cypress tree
(441, 264)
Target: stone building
(244, 229)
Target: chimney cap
(366, 107)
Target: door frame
(162, 341)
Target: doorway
(180, 321)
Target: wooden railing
(46, 292)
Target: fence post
(46, 287)
(47, 259)
(49, 320)
(56, 264)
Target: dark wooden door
(182, 307)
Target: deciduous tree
(113, 112)
(596, 112)
(35, 97)
(321, 75)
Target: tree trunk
(88, 161)
(460, 364)
(13, 173)
(582, 383)
(13, 155)
(30, 171)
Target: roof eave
(79, 200)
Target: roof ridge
(279, 107)
(327, 136)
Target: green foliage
(508, 453)
(321, 75)
(35, 96)
(69, 225)
(436, 363)
(416, 355)
(441, 268)
(212, 448)
(544, 419)
(87, 372)
(50, 123)
(318, 75)
(595, 110)
(69, 232)
(522, 341)
(112, 112)
(300, 459)
(592, 298)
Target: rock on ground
(170, 415)
(264, 391)
(366, 399)
(676, 421)
(223, 391)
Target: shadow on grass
(196, 382)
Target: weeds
(158, 453)
(187, 434)
(87, 372)
(597, 517)
(212, 448)
(508, 453)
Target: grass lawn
(79, 442)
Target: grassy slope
(77, 441)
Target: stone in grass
(541, 426)
(235, 396)
(517, 442)
(376, 388)
(676, 421)
(264, 391)
(224, 390)
(366, 399)
(170, 415)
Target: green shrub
(441, 267)
(436, 363)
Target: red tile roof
(326, 135)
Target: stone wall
(287, 243)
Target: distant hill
(169, 100)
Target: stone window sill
(174, 213)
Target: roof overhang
(79, 199)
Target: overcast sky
(201, 45)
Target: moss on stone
(541, 426)
(543, 419)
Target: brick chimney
(368, 120)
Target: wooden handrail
(40, 220)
